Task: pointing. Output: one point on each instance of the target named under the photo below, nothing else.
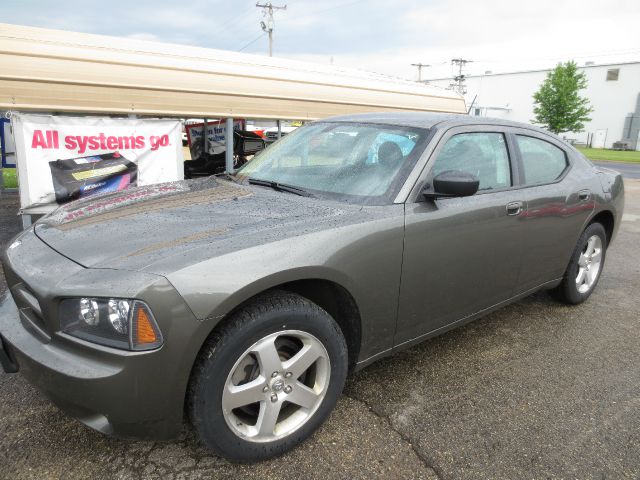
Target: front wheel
(268, 379)
(585, 266)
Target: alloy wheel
(589, 264)
(276, 386)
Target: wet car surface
(244, 302)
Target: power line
(229, 23)
(267, 12)
(314, 14)
(610, 53)
(252, 41)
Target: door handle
(515, 208)
(584, 195)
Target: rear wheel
(585, 267)
(268, 379)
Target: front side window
(542, 161)
(363, 163)
(482, 154)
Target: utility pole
(267, 12)
(419, 65)
(458, 80)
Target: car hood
(162, 228)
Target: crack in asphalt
(403, 436)
(170, 459)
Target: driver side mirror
(452, 183)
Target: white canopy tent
(59, 71)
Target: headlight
(114, 322)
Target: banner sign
(61, 159)
(216, 136)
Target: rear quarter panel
(612, 195)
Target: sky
(383, 36)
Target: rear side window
(542, 161)
(481, 154)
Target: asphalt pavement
(627, 169)
(535, 390)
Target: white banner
(61, 158)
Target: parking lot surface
(535, 390)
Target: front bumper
(115, 393)
(67, 378)
(119, 392)
(7, 359)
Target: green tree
(558, 105)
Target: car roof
(428, 120)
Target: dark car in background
(245, 145)
(246, 302)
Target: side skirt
(458, 323)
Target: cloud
(378, 35)
(143, 36)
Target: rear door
(461, 255)
(559, 203)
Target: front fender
(365, 259)
(215, 287)
(279, 278)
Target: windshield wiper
(226, 175)
(282, 187)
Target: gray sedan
(245, 300)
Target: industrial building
(613, 90)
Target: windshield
(363, 163)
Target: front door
(461, 255)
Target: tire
(587, 264)
(235, 361)
(196, 150)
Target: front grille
(26, 301)
(30, 310)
